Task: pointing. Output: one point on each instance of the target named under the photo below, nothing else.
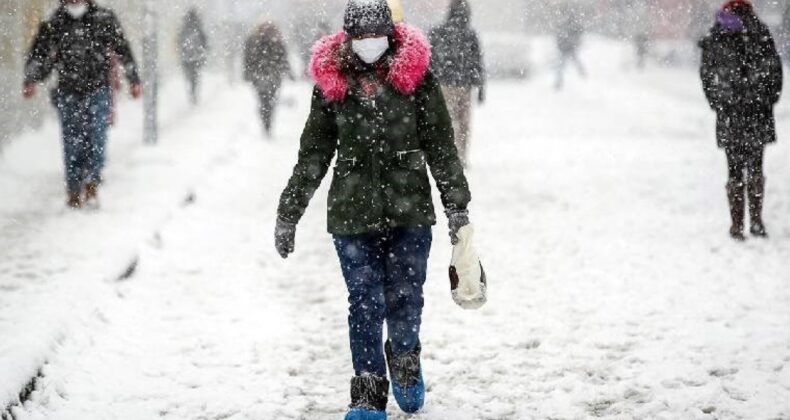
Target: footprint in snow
(722, 372)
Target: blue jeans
(385, 273)
(84, 120)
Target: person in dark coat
(378, 107)
(78, 43)
(458, 65)
(569, 40)
(742, 78)
(193, 46)
(265, 64)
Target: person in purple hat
(742, 79)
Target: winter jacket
(742, 79)
(266, 57)
(80, 50)
(387, 125)
(457, 56)
(193, 42)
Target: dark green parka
(387, 124)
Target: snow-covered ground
(615, 291)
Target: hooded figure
(380, 112)
(79, 42)
(265, 64)
(193, 46)
(742, 79)
(458, 64)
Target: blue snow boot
(368, 398)
(408, 386)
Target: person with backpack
(380, 110)
(742, 79)
(78, 43)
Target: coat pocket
(413, 160)
(345, 167)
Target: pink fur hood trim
(406, 71)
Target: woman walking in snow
(742, 78)
(377, 105)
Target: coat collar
(407, 68)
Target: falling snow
(600, 212)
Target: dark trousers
(192, 74)
(385, 273)
(84, 119)
(566, 58)
(267, 100)
(745, 161)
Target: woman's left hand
(456, 220)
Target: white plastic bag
(467, 278)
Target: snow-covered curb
(50, 282)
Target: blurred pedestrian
(265, 64)
(78, 42)
(458, 65)
(569, 39)
(380, 109)
(642, 48)
(742, 78)
(193, 47)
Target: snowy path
(615, 291)
(52, 261)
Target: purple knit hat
(729, 21)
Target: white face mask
(370, 50)
(77, 10)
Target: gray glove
(456, 219)
(284, 237)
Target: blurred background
(506, 26)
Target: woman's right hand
(284, 237)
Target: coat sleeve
(437, 52)
(317, 148)
(41, 58)
(438, 141)
(120, 46)
(770, 77)
(283, 65)
(708, 75)
(249, 59)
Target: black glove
(481, 95)
(457, 219)
(284, 237)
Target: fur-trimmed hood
(407, 67)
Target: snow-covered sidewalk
(54, 263)
(615, 290)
